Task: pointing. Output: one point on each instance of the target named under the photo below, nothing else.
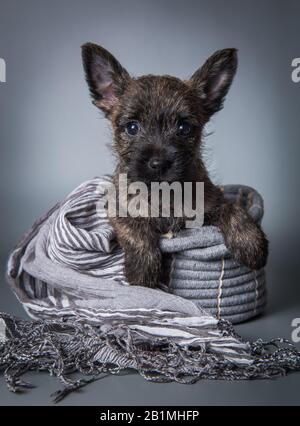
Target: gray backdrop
(52, 138)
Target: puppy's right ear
(105, 76)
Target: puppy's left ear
(212, 81)
(105, 76)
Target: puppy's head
(157, 120)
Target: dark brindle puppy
(158, 123)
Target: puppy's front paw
(143, 269)
(249, 246)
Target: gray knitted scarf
(67, 272)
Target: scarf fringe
(64, 349)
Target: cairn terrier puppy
(158, 124)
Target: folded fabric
(67, 272)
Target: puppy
(158, 123)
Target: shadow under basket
(203, 271)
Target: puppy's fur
(168, 115)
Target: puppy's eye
(184, 128)
(132, 128)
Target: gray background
(52, 139)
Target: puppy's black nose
(154, 163)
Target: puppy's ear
(212, 81)
(106, 78)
